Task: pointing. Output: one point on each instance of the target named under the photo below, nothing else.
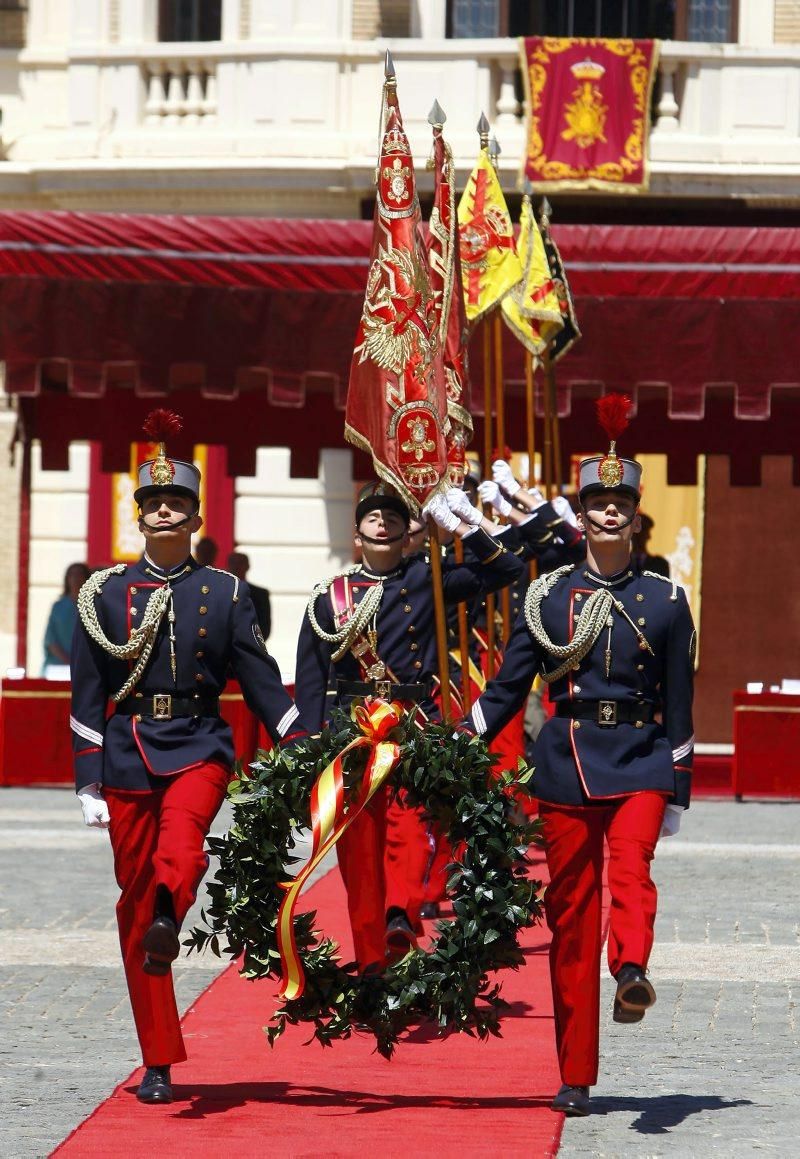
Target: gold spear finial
(388, 69)
(545, 213)
(483, 131)
(494, 151)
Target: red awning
(137, 307)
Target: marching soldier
(373, 629)
(616, 645)
(158, 638)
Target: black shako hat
(377, 496)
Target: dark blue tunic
(216, 634)
(579, 760)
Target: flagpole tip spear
(545, 213)
(483, 131)
(494, 151)
(388, 68)
(436, 117)
(527, 189)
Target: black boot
(634, 995)
(161, 946)
(155, 1087)
(400, 937)
(572, 1101)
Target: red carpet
(458, 1097)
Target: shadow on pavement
(659, 1114)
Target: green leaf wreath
(491, 895)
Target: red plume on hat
(162, 424)
(159, 426)
(613, 414)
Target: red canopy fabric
(92, 303)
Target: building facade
(263, 108)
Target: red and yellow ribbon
(331, 815)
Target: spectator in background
(239, 565)
(205, 551)
(641, 556)
(61, 624)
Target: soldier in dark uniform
(158, 638)
(616, 645)
(373, 629)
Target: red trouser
(158, 839)
(383, 857)
(574, 902)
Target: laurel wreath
(491, 895)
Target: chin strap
(610, 530)
(391, 539)
(172, 527)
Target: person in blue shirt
(61, 622)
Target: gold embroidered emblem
(586, 115)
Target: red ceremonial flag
(588, 104)
(444, 261)
(396, 400)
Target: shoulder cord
(362, 614)
(142, 638)
(230, 575)
(593, 618)
(665, 580)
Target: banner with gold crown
(396, 398)
(588, 103)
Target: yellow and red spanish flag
(397, 400)
(489, 262)
(531, 310)
(444, 261)
(588, 104)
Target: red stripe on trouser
(158, 839)
(574, 906)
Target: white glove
(502, 474)
(490, 493)
(560, 505)
(672, 820)
(439, 511)
(95, 809)
(458, 502)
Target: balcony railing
(723, 114)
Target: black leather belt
(607, 713)
(165, 705)
(385, 689)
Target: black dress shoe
(573, 1101)
(429, 910)
(626, 1014)
(634, 993)
(400, 937)
(155, 1087)
(161, 946)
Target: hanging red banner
(588, 106)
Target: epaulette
(665, 579)
(98, 578)
(230, 575)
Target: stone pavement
(711, 1070)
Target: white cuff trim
(478, 719)
(84, 731)
(287, 720)
(683, 750)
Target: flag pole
(500, 409)
(442, 652)
(436, 119)
(490, 601)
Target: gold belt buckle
(162, 706)
(383, 689)
(607, 713)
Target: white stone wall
(296, 532)
(59, 524)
